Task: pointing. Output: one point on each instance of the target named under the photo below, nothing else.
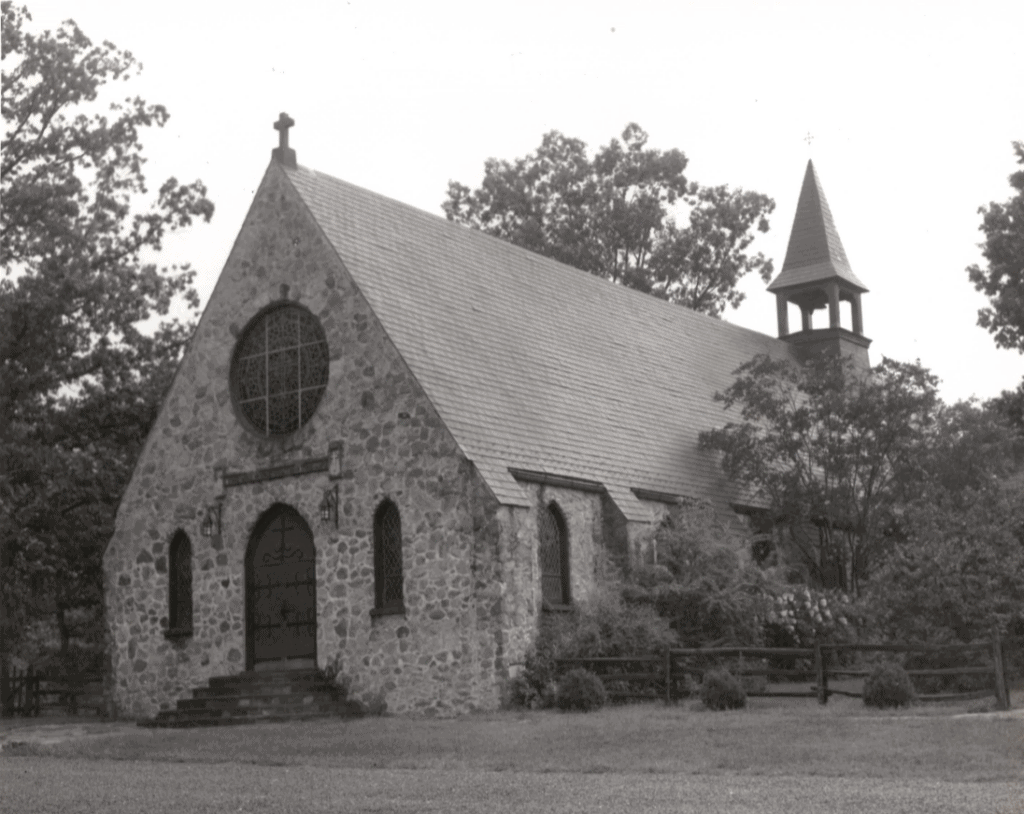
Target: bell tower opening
(817, 276)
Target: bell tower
(816, 274)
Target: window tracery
(553, 553)
(279, 370)
(387, 559)
(179, 617)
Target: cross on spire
(284, 154)
(284, 121)
(808, 138)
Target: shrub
(606, 624)
(701, 583)
(520, 694)
(721, 690)
(580, 690)
(377, 704)
(888, 685)
(340, 684)
(602, 625)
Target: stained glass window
(279, 371)
(554, 557)
(387, 557)
(180, 589)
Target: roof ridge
(461, 230)
(532, 363)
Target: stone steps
(250, 697)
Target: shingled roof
(815, 252)
(534, 365)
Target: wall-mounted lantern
(211, 522)
(329, 506)
(334, 460)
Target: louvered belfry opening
(279, 371)
(554, 557)
(179, 569)
(387, 558)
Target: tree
(969, 448)
(610, 215)
(831, 450)
(1003, 281)
(80, 377)
(960, 568)
(1010, 405)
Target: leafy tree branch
(612, 215)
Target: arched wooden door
(280, 592)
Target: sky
(911, 108)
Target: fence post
(822, 677)
(668, 675)
(21, 693)
(1002, 694)
(5, 690)
(34, 699)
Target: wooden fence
(29, 692)
(666, 675)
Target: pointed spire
(815, 253)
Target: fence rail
(30, 691)
(637, 676)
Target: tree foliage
(1003, 280)
(611, 215)
(830, 449)
(701, 582)
(1010, 405)
(960, 569)
(957, 566)
(80, 376)
(969, 449)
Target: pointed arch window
(179, 592)
(387, 559)
(554, 558)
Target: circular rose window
(279, 370)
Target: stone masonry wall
(447, 652)
(519, 549)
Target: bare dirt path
(35, 784)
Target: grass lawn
(772, 737)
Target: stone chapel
(394, 443)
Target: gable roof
(815, 252)
(534, 365)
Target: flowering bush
(801, 617)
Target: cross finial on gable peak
(284, 154)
